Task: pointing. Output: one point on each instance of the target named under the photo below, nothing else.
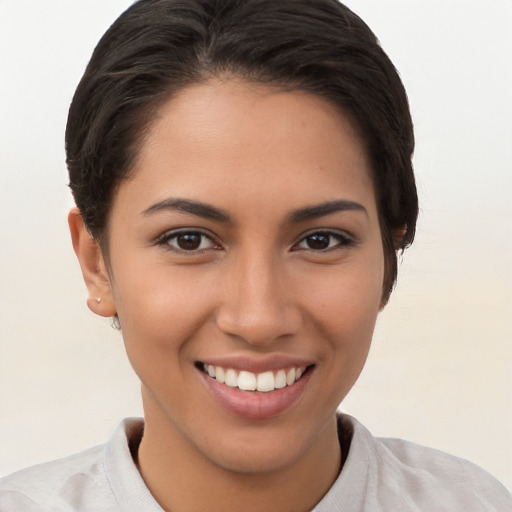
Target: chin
(269, 447)
(255, 460)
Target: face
(246, 268)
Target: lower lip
(255, 405)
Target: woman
(243, 181)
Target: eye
(187, 241)
(324, 241)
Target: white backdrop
(440, 369)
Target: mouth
(270, 389)
(264, 382)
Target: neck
(182, 479)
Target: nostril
(262, 325)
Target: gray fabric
(378, 475)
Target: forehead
(254, 141)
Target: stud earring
(98, 300)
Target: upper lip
(258, 365)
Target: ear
(94, 269)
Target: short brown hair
(158, 47)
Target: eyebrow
(211, 212)
(193, 207)
(320, 210)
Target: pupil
(189, 242)
(318, 241)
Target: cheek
(346, 306)
(161, 307)
(160, 313)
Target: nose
(257, 304)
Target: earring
(98, 300)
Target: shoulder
(51, 484)
(393, 474)
(438, 475)
(84, 482)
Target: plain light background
(440, 370)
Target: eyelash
(166, 238)
(343, 240)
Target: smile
(248, 381)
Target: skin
(255, 289)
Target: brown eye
(318, 241)
(324, 241)
(188, 241)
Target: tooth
(265, 382)
(298, 373)
(247, 381)
(220, 374)
(211, 370)
(290, 377)
(231, 378)
(280, 379)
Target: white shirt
(379, 475)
